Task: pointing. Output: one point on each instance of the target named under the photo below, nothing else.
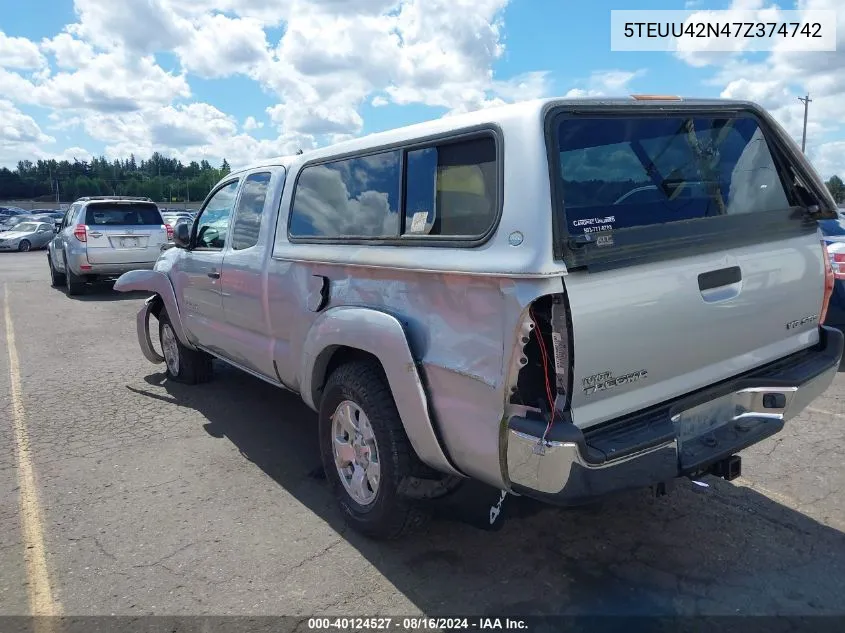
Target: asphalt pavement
(131, 495)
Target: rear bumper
(80, 266)
(682, 437)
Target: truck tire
(359, 426)
(56, 278)
(184, 365)
(73, 285)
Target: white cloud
(604, 83)
(20, 53)
(333, 56)
(829, 159)
(112, 82)
(221, 46)
(21, 137)
(68, 51)
(251, 124)
(784, 75)
(188, 132)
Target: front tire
(56, 278)
(365, 452)
(184, 365)
(24, 246)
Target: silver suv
(104, 237)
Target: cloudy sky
(247, 79)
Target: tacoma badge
(807, 319)
(605, 380)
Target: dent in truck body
(459, 329)
(158, 283)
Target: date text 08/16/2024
(416, 623)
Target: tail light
(169, 230)
(81, 233)
(829, 279)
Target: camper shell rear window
(631, 185)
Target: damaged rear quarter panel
(460, 328)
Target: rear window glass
(624, 172)
(122, 214)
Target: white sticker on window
(418, 222)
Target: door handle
(719, 278)
(95, 234)
(214, 274)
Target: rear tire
(24, 246)
(190, 367)
(73, 285)
(56, 278)
(360, 390)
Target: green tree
(836, 188)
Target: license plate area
(703, 420)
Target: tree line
(159, 177)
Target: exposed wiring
(545, 359)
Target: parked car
(47, 215)
(26, 236)
(461, 299)
(172, 218)
(103, 237)
(833, 231)
(6, 212)
(13, 220)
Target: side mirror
(181, 235)
(57, 225)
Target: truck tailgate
(665, 330)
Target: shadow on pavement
(104, 291)
(721, 549)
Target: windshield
(621, 172)
(26, 226)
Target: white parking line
(41, 600)
(835, 415)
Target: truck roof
(525, 109)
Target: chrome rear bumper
(682, 437)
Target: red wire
(545, 360)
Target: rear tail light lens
(81, 233)
(169, 230)
(829, 276)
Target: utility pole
(806, 101)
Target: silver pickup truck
(560, 299)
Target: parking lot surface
(153, 497)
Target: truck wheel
(73, 285)
(184, 365)
(56, 278)
(365, 451)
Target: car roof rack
(138, 198)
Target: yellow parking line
(40, 594)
